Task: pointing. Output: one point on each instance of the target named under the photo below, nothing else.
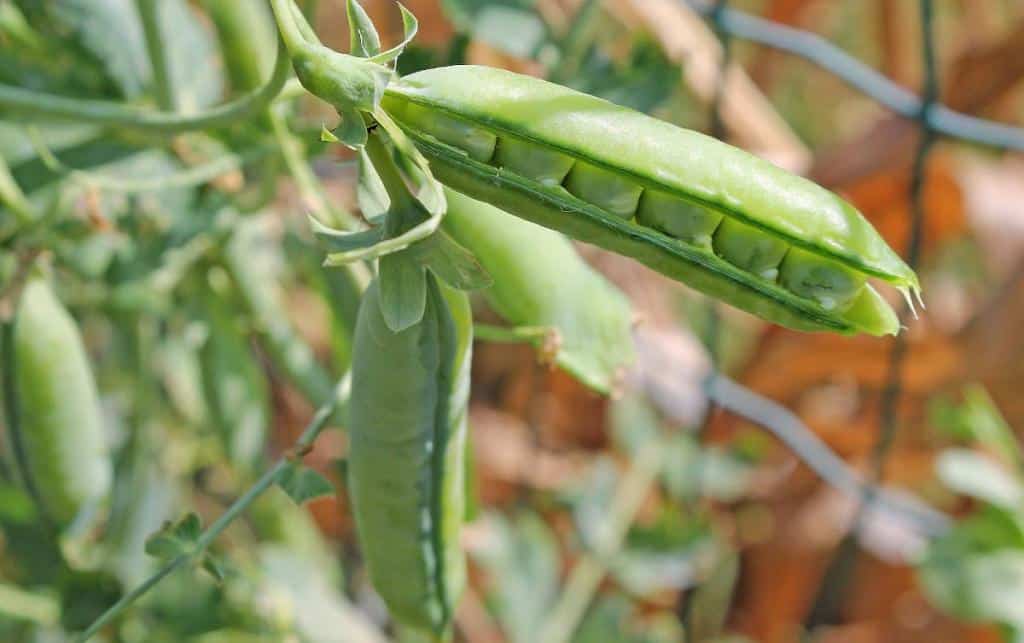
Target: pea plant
(142, 220)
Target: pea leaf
(302, 483)
(110, 31)
(175, 539)
(371, 194)
(362, 34)
(451, 262)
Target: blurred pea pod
(235, 387)
(247, 40)
(540, 281)
(56, 407)
(410, 391)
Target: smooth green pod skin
(657, 156)
(407, 429)
(247, 36)
(58, 407)
(540, 280)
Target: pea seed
(617, 194)
(749, 248)
(475, 141)
(829, 283)
(678, 218)
(547, 167)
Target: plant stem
(36, 105)
(512, 334)
(305, 441)
(587, 574)
(148, 15)
(13, 198)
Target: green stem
(13, 198)
(36, 105)
(292, 35)
(587, 574)
(305, 441)
(148, 15)
(190, 177)
(512, 334)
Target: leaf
(302, 483)
(403, 291)
(371, 194)
(327, 136)
(709, 604)
(175, 539)
(84, 596)
(522, 558)
(410, 27)
(351, 130)
(362, 33)
(972, 474)
(109, 30)
(339, 241)
(191, 50)
(451, 262)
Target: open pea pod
(698, 210)
(407, 429)
(540, 281)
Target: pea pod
(698, 210)
(247, 39)
(57, 406)
(407, 428)
(540, 280)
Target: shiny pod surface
(687, 205)
(407, 426)
(541, 281)
(58, 407)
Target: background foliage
(215, 334)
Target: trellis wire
(933, 119)
(939, 118)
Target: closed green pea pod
(247, 40)
(540, 281)
(622, 158)
(407, 428)
(58, 408)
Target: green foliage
(976, 571)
